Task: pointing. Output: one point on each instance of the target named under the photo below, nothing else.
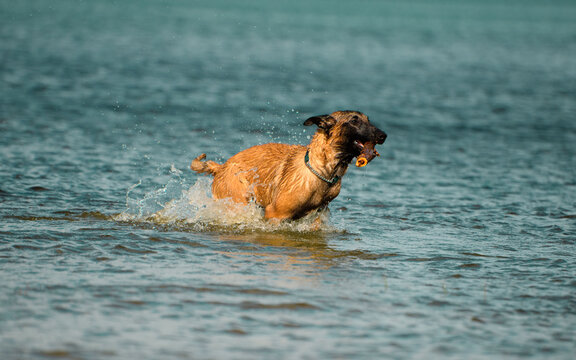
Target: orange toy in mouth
(368, 153)
(361, 161)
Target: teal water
(458, 242)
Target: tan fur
(206, 167)
(275, 176)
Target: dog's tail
(205, 167)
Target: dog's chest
(324, 196)
(333, 191)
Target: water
(458, 242)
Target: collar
(307, 161)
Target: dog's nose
(380, 136)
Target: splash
(179, 206)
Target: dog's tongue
(368, 153)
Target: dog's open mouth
(367, 152)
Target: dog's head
(351, 134)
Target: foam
(194, 209)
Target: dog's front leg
(321, 217)
(275, 215)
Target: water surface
(458, 242)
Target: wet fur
(276, 177)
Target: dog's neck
(325, 158)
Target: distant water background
(459, 242)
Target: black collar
(307, 161)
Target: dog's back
(254, 173)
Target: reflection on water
(296, 246)
(289, 245)
(297, 252)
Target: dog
(291, 181)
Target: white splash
(194, 209)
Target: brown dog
(290, 181)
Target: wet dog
(290, 181)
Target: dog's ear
(322, 121)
